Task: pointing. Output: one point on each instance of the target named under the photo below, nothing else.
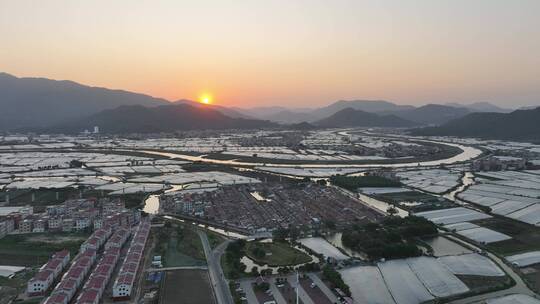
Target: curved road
(217, 278)
(520, 286)
(467, 153)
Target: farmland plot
(438, 280)
(453, 215)
(484, 235)
(471, 264)
(525, 259)
(321, 246)
(403, 284)
(367, 285)
(514, 299)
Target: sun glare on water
(205, 99)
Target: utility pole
(297, 284)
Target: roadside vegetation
(352, 183)
(214, 239)
(336, 281)
(11, 287)
(275, 254)
(232, 267)
(36, 248)
(393, 238)
(525, 237)
(179, 245)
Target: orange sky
(283, 52)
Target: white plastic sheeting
(367, 285)
(514, 299)
(525, 259)
(484, 235)
(453, 215)
(471, 264)
(439, 281)
(403, 284)
(321, 246)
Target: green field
(35, 249)
(180, 246)
(187, 286)
(215, 239)
(525, 237)
(352, 183)
(10, 288)
(427, 201)
(275, 254)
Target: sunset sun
(205, 99)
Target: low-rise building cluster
(73, 278)
(499, 163)
(72, 215)
(85, 264)
(48, 273)
(123, 286)
(97, 282)
(269, 206)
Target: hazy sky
(283, 52)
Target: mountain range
(516, 125)
(45, 104)
(163, 118)
(350, 117)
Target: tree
(392, 211)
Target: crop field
(515, 298)
(525, 259)
(415, 201)
(525, 237)
(507, 193)
(35, 249)
(308, 172)
(275, 254)
(180, 247)
(484, 235)
(367, 285)
(471, 264)
(192, 286)
(438, 280)
(419, 279)
(453, 215)
(434, 181)
(403, 284)
(321, 246)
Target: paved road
(219, 283)
(520, 286)
(301, 292)
(276, 293)
(329, 294)
(177, 268)
(250, 294)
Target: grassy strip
(275, 254)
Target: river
(467, 153)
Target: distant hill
(355, 118)
(297, 115)
(480, 107)
(288, 116)
(264, 112)
(372, 106)
(431, 114)
(40, 102)
(166, 118)
(302, 126)
(517, 125)
(233, 113)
